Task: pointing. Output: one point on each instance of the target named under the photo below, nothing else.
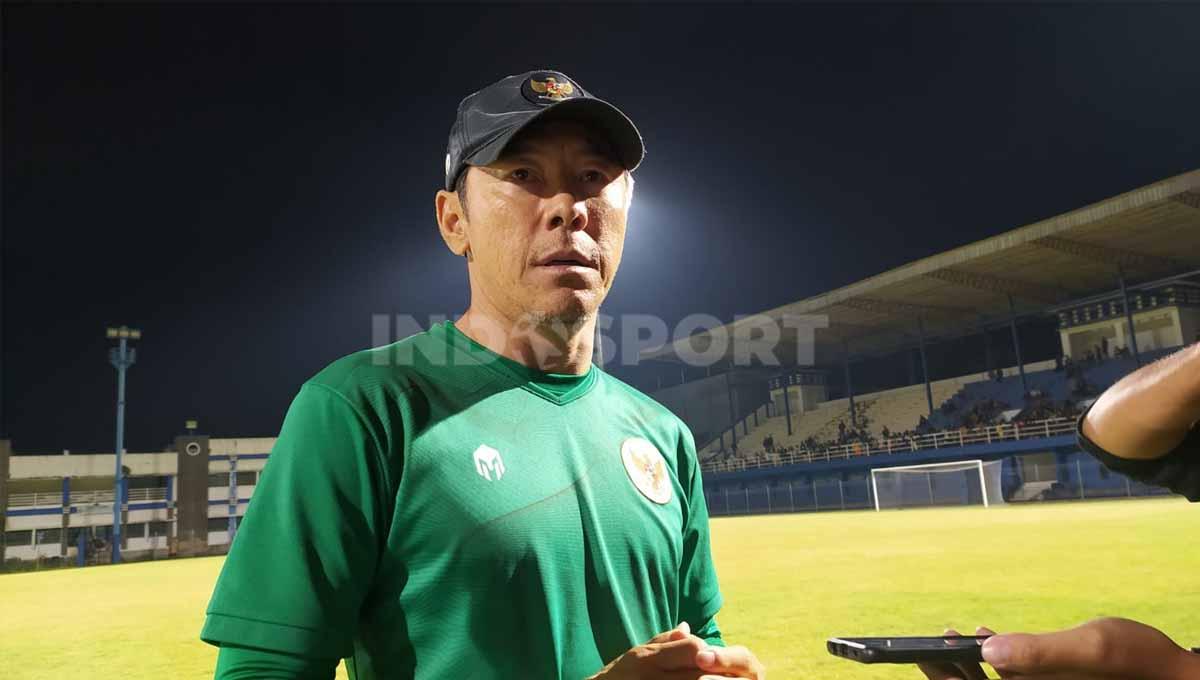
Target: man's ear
(451, 223)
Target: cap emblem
(550, 89)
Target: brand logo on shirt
(488, 463)
(647, 469)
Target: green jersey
(434, 510)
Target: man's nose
(569, 212)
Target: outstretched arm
(1149, 412)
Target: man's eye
(521, 174)
(593, 176)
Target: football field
(790, 581)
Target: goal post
(962, 482)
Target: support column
(65, 536)
(787, 404)
(172, 540)
(732, 417)
(1137, 357)
(849, 386)
(1012, 324)
(124, 509)
(81, 549)
(925, 365)
(233, 497)
(987, 347)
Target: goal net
(964, 482)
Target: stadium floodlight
(961, 482)
(121, 357)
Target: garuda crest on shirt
(647, 469)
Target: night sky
(249, 186)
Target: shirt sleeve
(700, 595)
(305, 554)
(1177, 470)
(247, 663)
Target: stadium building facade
(176, 503)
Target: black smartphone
(945, 649)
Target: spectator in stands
(1146, 426)
(922, 423)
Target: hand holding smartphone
(943, 649)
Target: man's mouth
(568, 258)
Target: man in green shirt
(478, 500)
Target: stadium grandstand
(955, 379)
(987, 352)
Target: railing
(763, 408)
(937, 440)
(146, 494)
(29, 500)
(54, 498)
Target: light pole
(121, 357)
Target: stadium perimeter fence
(1076, 475)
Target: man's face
(546, 224)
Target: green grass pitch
(790, 581)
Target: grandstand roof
(1148, 233)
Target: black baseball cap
(488, 119)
